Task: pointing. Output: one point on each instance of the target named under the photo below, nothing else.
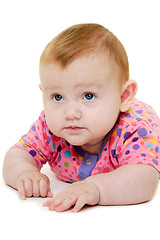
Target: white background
(25, 28)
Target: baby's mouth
(73, 128)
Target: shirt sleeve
(138, 146)
(36, 141)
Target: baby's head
(82, 39)
(84, 74)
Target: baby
(92, 132)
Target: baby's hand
(33, 184)
(78, 194)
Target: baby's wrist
(94, 186)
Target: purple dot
(33, 128)
(48, 139)
(138, 119)
(43, 162)
(128, 115)
(155, 161)
(142, 132)
(127, 152)
(143, 155)
(113, 153)
(59, 148)
(135, 139)
(33, 153)
(119, 132)
(139, 111)
(126, 135)
(136, 147)
(50, 132)
(156, 149)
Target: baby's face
(82, 102)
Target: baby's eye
(58, 98)
(89, 96)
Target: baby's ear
(40, 86)
(128, 93)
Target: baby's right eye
(58, 98)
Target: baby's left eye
(89, 96)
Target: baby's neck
(93, 149)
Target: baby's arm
(129, 184)
(21, 172)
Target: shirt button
(88, 161)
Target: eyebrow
(88, 85)
(52, 88)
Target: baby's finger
(49, 194)
(21, 190)
(82, 200)
(48, 203)
(28, 185)
(43, 188)
(66, 204)
(35, 190)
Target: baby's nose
(72, 112)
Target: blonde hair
(81, 39)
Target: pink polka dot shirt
(134, 139)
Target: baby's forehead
(90, 61)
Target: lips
(73, 129)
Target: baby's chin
(76, 141)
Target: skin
(87, 88)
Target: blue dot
(53, 146)
(71, 181)
(67, 154)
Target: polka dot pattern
(135, 139)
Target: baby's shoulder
(139, 119)
(139, 114)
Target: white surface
(28, 219)
(26, 27)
